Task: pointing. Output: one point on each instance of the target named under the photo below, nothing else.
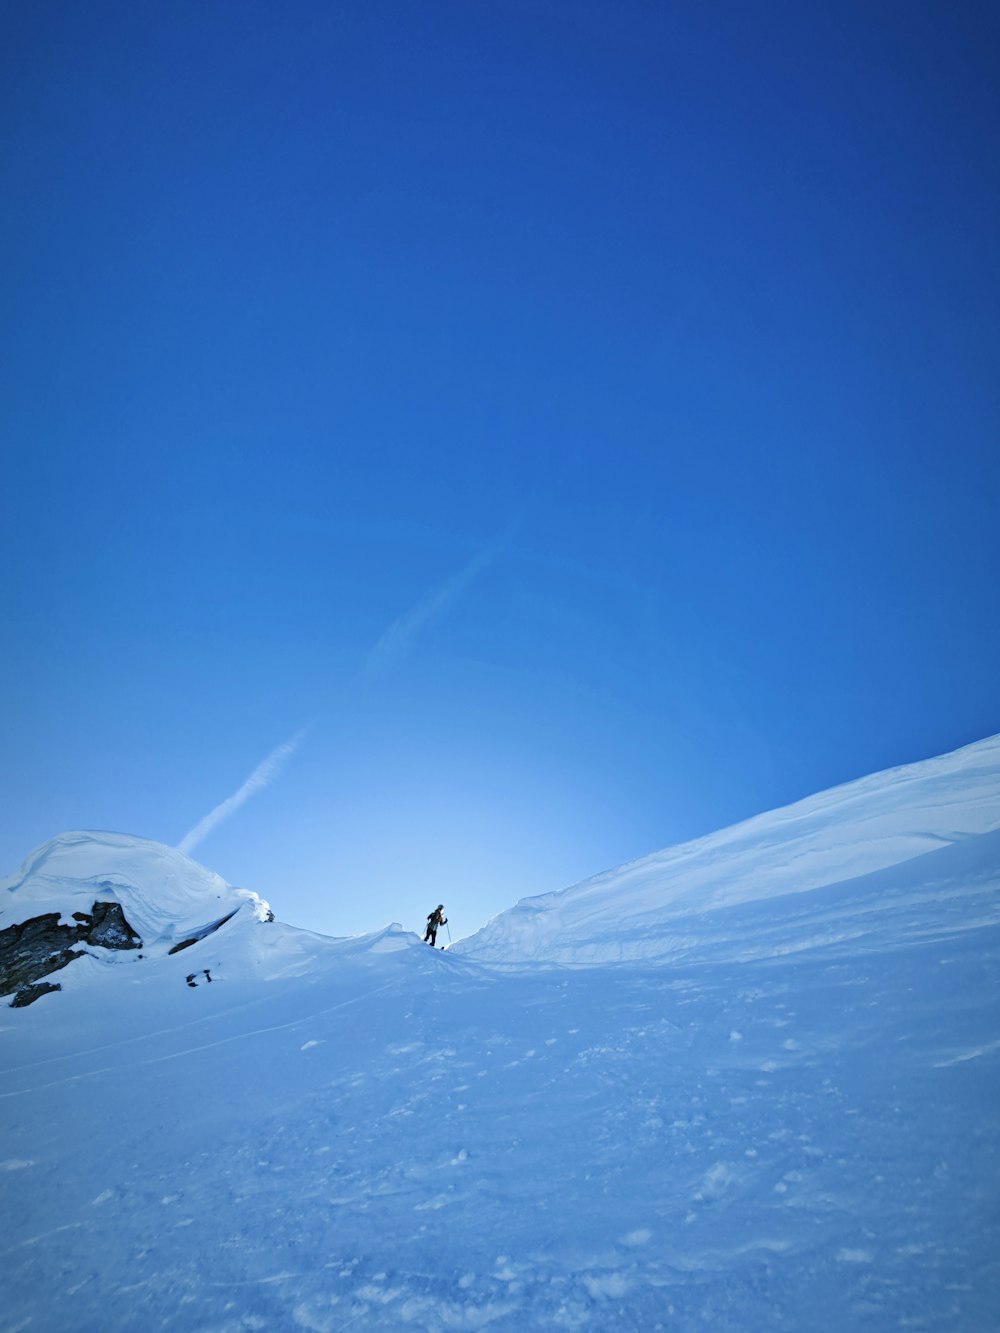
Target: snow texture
(752, 1083)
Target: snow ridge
(646, 909)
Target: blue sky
(577, 425)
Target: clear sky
(520, 435)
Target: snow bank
(645, 910)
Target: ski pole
(448, 929)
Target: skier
(433, 921)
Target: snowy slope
(654, 908)
(787, 1120)
(165, 895)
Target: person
(433, 921)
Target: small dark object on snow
(207, 974)
(190, 980)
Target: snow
(647, 909)
(751, 1083)
(165, 895)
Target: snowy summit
(164, 894)
(748, 1083)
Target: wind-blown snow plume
(398, 639)
(262, 776)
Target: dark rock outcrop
(29, 994)
(40, 946)
(35, 948)
(110, 929)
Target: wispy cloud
(399, 638)
(262, 776)
(394, 645)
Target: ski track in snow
(185, 1051)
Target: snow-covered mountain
(750, 1083)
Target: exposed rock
(35, 948)
(29, 994)
(110, 929)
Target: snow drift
(655, 907)
(164, 895)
